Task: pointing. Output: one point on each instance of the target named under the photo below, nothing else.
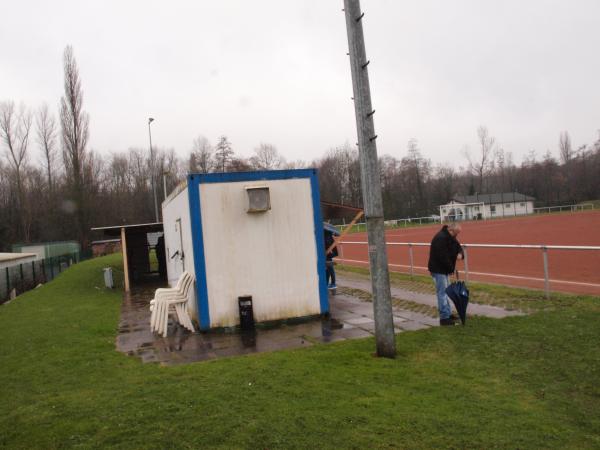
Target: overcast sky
(276, 71)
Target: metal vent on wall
(259, 199)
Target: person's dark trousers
(330, 273)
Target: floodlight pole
(371, 183)
(165, 184)
(150, 120)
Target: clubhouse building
(486, 206)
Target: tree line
(413, 186)
(53, 187)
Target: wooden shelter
(135, 247)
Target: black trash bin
(246, 312)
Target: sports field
(576, 271)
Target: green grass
(153, 260)
(520, 382)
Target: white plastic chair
(170, 291)
(172, 301)
(163, 293)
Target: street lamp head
(150, 119)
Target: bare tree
(202, 159)
(239, 165)
(74, 124)
(565, 148)
(14, 132)
(223, 153)
(483, 164)
(419, 169)
(46, 136)
(339, 177)
(298, 164)
(266, 157)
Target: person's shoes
(332, 286)
(447, 322)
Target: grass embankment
(520, 382)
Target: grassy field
(521, 382)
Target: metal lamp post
(150, 120)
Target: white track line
(499, 275)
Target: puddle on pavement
(181, 346)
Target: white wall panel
(270, 255)
(176, 214)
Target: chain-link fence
(15, 280)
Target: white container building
(256, 234)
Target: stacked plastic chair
(172, 300)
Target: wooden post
(346, 230)
(125, 262)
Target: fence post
(51, 268)
(410, 254)
(7, 282)
(21, 270)
(466, 260)
(546, 278)
(33, 271)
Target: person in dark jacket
(160, 256)
(329, 270)
(443, 253)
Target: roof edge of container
(223, 177)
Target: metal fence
(543, 252)
(413, 221)
(15, 280)
(571, 208)
(393, 223)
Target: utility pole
(371, 183)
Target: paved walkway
(426, 299)
(350, 318)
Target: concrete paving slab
(360, 321)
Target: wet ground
(350, 318)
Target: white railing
(572, 208)
(413, 220)
(362, 226)
(544, 249)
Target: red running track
(575, 271)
